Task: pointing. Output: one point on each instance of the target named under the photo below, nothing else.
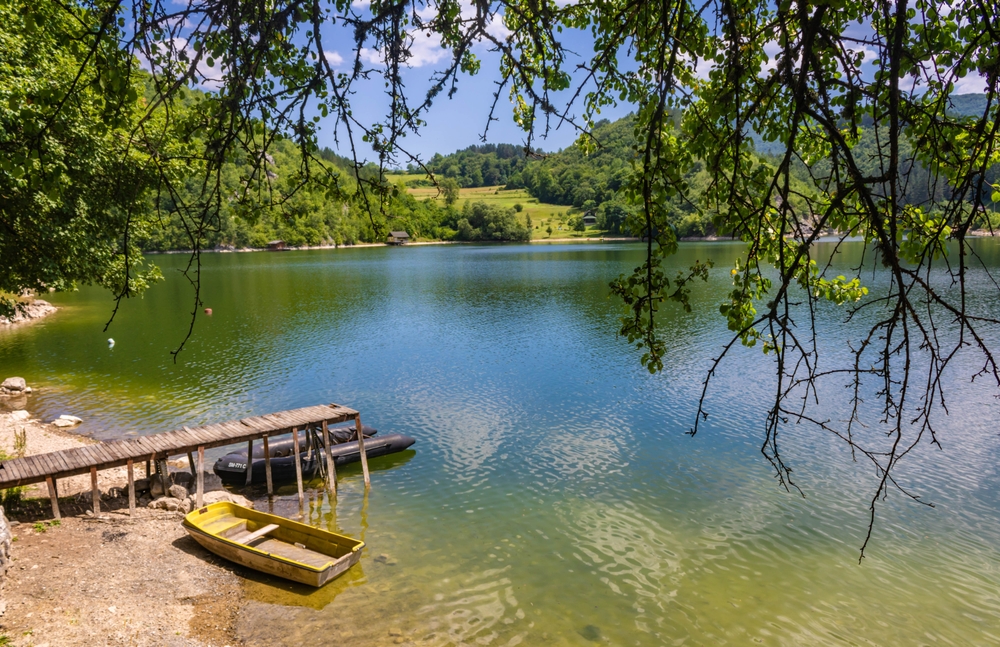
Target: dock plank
(35, 469)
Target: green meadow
(542, 215)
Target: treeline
(475, 166)
(275, 198)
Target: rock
(166, 503)
(183, 478)
(34, 310)
(222, 495)
(20, 415)
(27, 389)
(178, 492)
(142, 485)
(14, 384)
(72, 419)
(59, 422)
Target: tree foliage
(705, 79)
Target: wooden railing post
(200, 497)
(131, 489)
(267, 467)
(361, 446)
(249, 462)
(53, 496)
(95, 493)
(298, 465)
(331, 467)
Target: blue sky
(457, 122)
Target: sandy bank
(112, 580)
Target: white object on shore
(66, 421)
(20, 414)
(111, 343)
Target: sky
(460, 121)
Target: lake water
(552, 497)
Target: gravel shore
(112, 580)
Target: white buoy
(111, 343)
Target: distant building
(589, 219)
(397, 238)
(277, 246)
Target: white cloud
(969, 84)
(333, 58)
(425, 48)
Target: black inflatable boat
(232, 467)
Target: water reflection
(552, 497)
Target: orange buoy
(208, 311)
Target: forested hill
(589, 181)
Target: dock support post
(361, 446)
(331, 468)
(249, 462)
(267, 468)
(191, 465)
(53, 496)
(298, 465)
(164, 473)
(131, 489)
(149, 468)
(200, 497)
(94, 492)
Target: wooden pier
(52, 466)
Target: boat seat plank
(257, 534)
(295, 553)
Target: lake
(553, 496)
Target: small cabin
(397, 238)
(589, 219)
(276, 246)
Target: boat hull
(232, 467)
(292, 551)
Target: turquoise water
(553, 497)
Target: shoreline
(163, 589)
(979, 233)
(33, 311)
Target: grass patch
(543, 216)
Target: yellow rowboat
(272, 544)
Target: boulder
(166, 503)
(142, 485)
(183, 478)
(178, 492)
(72, 419)
(19, 415)
(222, 495)
(14, 384)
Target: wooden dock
(52, 466)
